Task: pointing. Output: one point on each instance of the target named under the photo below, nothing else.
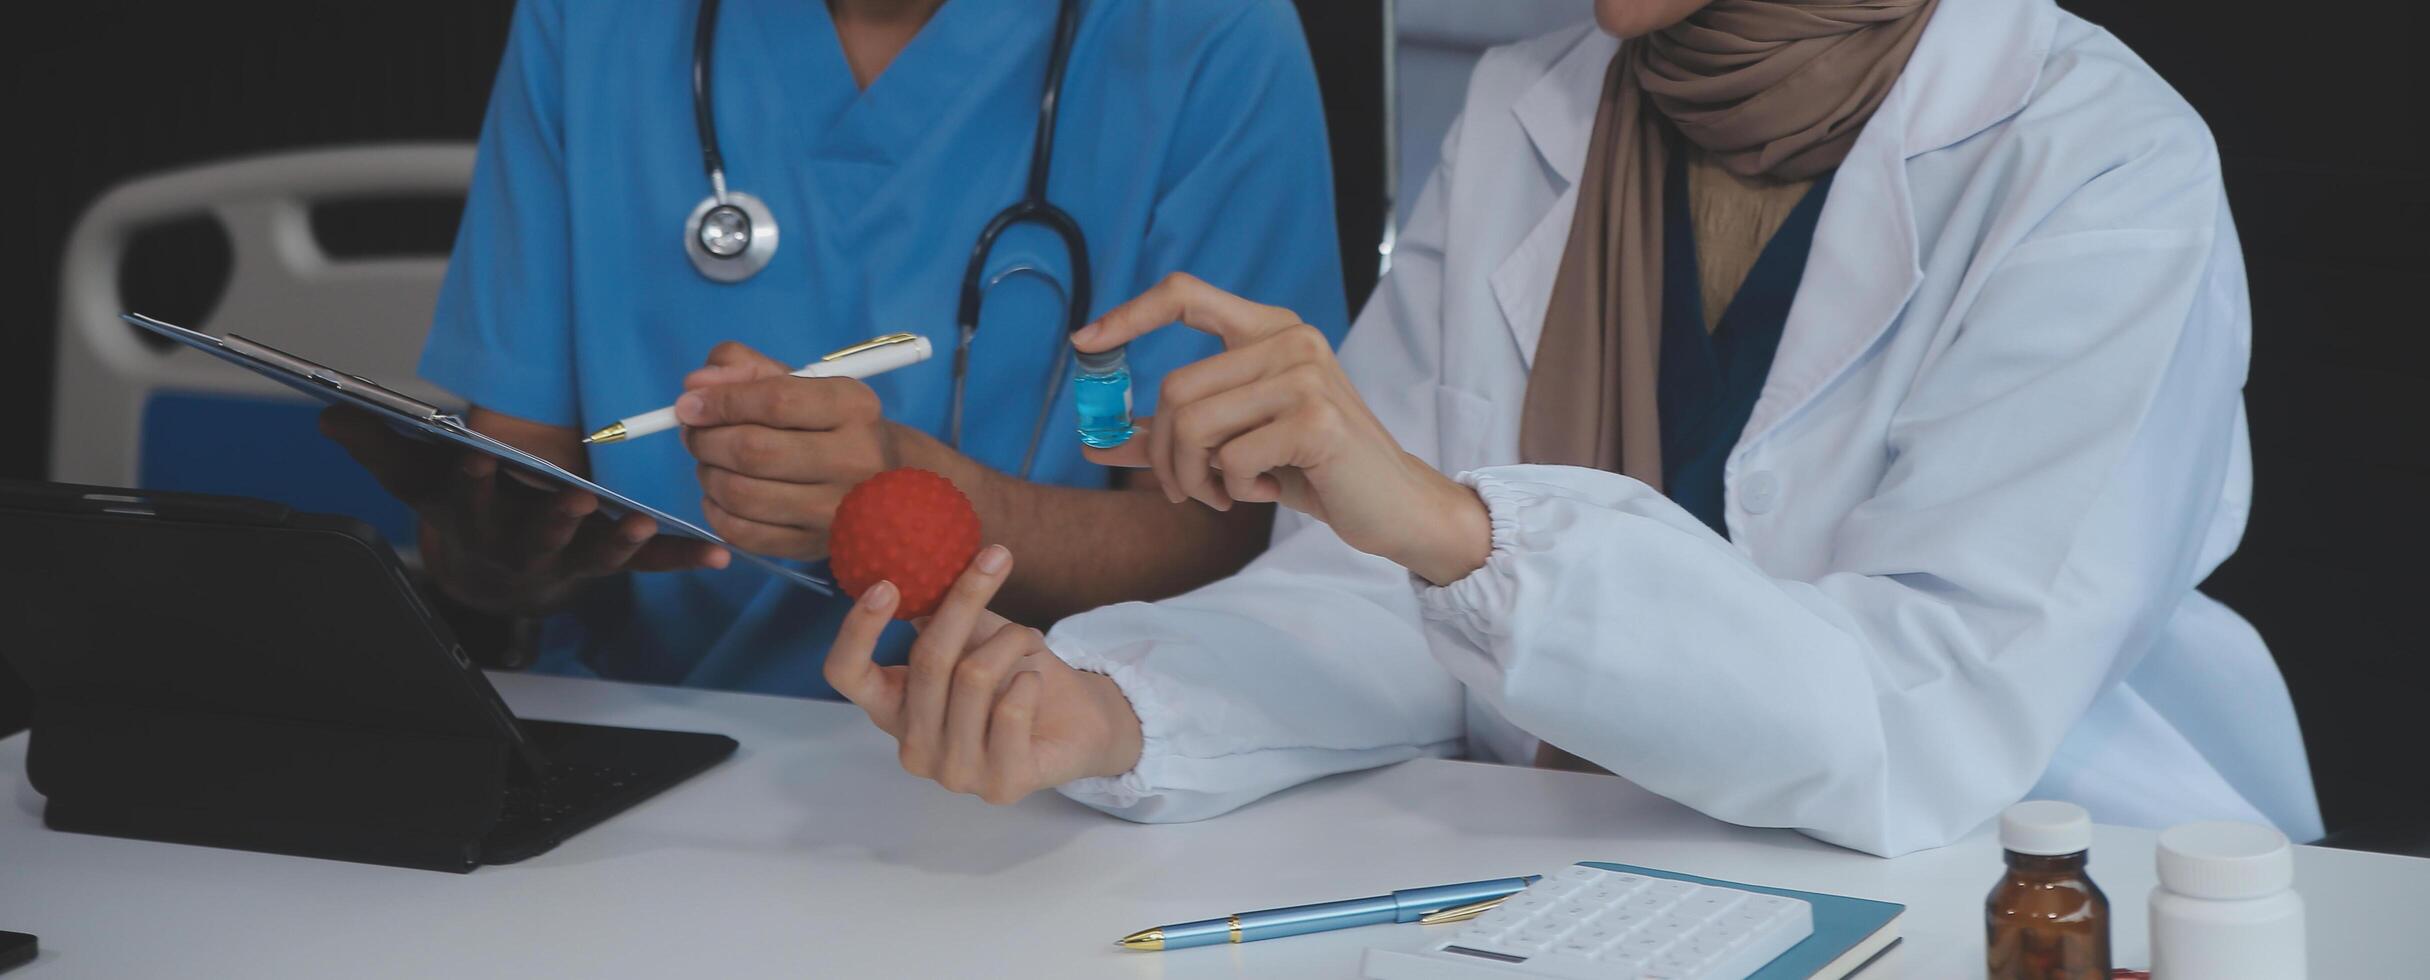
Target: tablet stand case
(327, 791)
(251, 678)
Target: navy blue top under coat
(1709, 380)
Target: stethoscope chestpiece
(730, 240)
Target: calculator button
(1577, 911)
(1643, 944)
(1598, 932)
(1614, 964)
(1673, 964)
(1581, 874)
(1578, 948)
(1692, 950)
(1557, 965)
(1623, 919)
(1722, 934)
(1705, 903)
(1541, 932)
(1499, 918)
(1473, 935)
(1555, 891)
(1666, 930)
(1606, 894)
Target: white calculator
(1591, 924)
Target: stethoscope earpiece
(730, 240)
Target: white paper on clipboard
(426, 422)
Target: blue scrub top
(1191, 139)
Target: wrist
(901, 445)
(480, 586)
(1457, 536)
(1124, 740)
(986, 488)
(912, 447)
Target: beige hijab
(1766, 88)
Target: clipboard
(419, 420)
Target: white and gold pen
(866, 359)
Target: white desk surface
(811, 854)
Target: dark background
(2321, 123)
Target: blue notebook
(1848, 932)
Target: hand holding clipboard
(433, 460)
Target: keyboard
(1590, 924)
(594, 772)
(570, 791)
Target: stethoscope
(731, 235)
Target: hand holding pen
(777, 449)
(733, 361)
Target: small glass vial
(2226, 908)
(1101, 391)
(2046, 920)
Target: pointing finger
(942, 643)
(1188, 300)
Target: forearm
(1307, 664)
(1076, 549)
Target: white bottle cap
(2046, 827)
(2225, 860)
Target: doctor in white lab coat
(1999, 444)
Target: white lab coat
(2001, 442)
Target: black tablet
(229, 671)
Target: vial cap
(1103, 362)
(2225, 860)
(2046, 827)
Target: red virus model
(907, 526)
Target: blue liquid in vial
(1104, 401)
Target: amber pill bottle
(2045, 919)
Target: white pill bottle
(2226, 908)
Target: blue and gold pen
(1406, 905)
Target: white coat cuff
(1470, 605)
(1155, 725)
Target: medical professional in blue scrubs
(882, 135)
